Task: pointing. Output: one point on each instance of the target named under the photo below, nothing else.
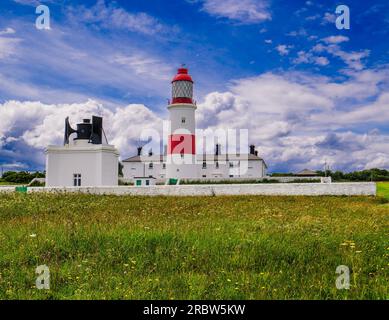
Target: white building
(207, 167)
(84, 160)
(181, 160)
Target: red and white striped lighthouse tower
(181, 151)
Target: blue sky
(308, 92)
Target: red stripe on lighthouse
(182, 144)
(182, 100)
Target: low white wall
(309, 189)
(7, 189)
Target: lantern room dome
(182, 75)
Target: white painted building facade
(80, 162)
(206, 168)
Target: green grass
(5, 183)
(383, 189)
(240, 247)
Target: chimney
(256, 153)
(218, 149)
(252, 149)
(150, 152)
(139, 151)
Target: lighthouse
(181, 151)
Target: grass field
(240, 247)
(4, 183)
(383, 189)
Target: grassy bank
(383, 189)
(240, 247)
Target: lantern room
(182, 87)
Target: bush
(21, 176)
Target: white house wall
(255, 169)
(98, 165)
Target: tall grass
(240, 247)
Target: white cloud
(113, 17)
(74, 67)
(29, 2)
(297, 120)
(283, 49)
(308, 57)
(14, 166)
(7, 31)
(301, 32)
(243, 11)
(328, 18)
(321, 61)
(353, 59)
(336, 39)
(8, 47)
(37, 125)
(313, 17)
(144, 65)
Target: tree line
(20, 176)
(339, 176)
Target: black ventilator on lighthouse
(86, 130)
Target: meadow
(238, 247)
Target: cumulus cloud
(297, 120)
(34, 125)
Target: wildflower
(33, 235)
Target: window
(217, 164)
(164, 166)
(204, 175)
(151, 165)
(204, 165)
(183, 120)
(231, 164)
(231, 175)
(147, 182)
(77, 179)
(182, 156)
